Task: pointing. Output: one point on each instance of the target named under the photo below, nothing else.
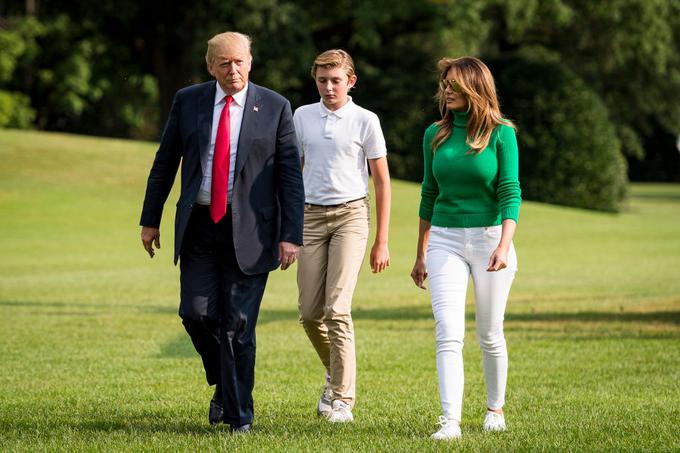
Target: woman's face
(454, 97)
(333, 85)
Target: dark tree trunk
(31, 7)
(172, 65)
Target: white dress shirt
(235, 119)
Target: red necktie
(220, 166)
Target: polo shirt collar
(324, 112)
(239, 97)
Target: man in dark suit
(239, 214)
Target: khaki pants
(328, 266)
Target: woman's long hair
(478, 87)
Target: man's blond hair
(333, 59)
(225, 39)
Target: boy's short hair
(332, 59)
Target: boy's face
(334, 85)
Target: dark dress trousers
(224, 266)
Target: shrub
(569, 150)
(15, 110)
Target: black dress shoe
(245, 429)
(216, 411)
(215, 415)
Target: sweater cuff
(511, 212)
(425, 213)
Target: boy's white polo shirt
(335, 146)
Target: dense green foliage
(75, 78)
(111, 67)
(15, 110)
(570, 153)
(15, 107)
(628, 51)
(94, 356)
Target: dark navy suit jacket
(268, 196)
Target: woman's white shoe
(450, 429)
(494, 422)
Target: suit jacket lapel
(206, 105)
(249, 126)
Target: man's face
(333, 85)
(230, 65)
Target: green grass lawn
(93, 355)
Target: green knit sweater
(465, 190)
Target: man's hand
(149, 236)
(288, 253)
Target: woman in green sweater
(469, 207)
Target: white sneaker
(323, 407)
(341, 413)
(494, 422)
(450, 429)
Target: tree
(395, 50)
(15, 107)
(112, 67)
(628, 51)
(569, 151)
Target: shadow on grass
(138, 421)
(415, 312)
(275, 423)
(663, 196)
(423, 312)
(663, 317)
(403, 313)
(89, 308)
(181, 347)
(55, 308)
(109, 423)
(151, 423)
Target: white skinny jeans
(452, 255)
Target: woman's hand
(498, 260)
(499, 257)
(419, 273)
